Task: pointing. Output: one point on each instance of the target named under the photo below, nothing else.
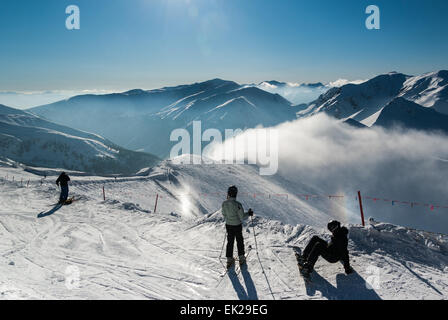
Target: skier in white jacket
(234, 216)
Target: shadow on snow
(49, 212)
(348, 287)
(250, 293)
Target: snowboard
(67, 202)
(300, 263)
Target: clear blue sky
(146, 44)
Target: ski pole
(255, 237)
(223, 242)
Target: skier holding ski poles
(234, 216)
(63, 181)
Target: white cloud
(343, 82)
(294, 92)
(326, 154)
(28, 99)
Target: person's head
(232, 192)
(63, 173)
(333, 225)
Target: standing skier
(63, 181)
(234, 216)
(333, 252)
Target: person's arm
(241, 214)
(224, 211)
(68, 178)
(58, 180)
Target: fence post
(104, 194)
(155, 206)
(360, 208)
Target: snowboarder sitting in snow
(333, 252)
(234, 216)
(63, 181)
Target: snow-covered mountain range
(143, 120)
(30, 140)
(367, 102)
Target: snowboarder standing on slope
(334, 251)
(63, 181)
(234, 216)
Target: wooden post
(360, 208)
(104, 194)
(155, 206)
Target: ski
(234, 267)
(249, 249)
(236, 271)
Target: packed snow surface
(119, 248)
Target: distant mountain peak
(134, 92)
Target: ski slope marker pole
(104, 194)
(360, 208)
(155, 205)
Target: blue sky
(125, 44)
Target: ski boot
(348, 270)
(242, 260)
(230, 262)
(306, 270)
(300, 260)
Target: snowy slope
(429, 90)
(363, 99)
(407, 114)
(33, 141)
(120, 249)
(364, 102)
(132, 119)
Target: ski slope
(120, 249)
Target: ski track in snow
(124, 251)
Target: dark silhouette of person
(334, 251)
(63, 182)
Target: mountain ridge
(30, 140)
